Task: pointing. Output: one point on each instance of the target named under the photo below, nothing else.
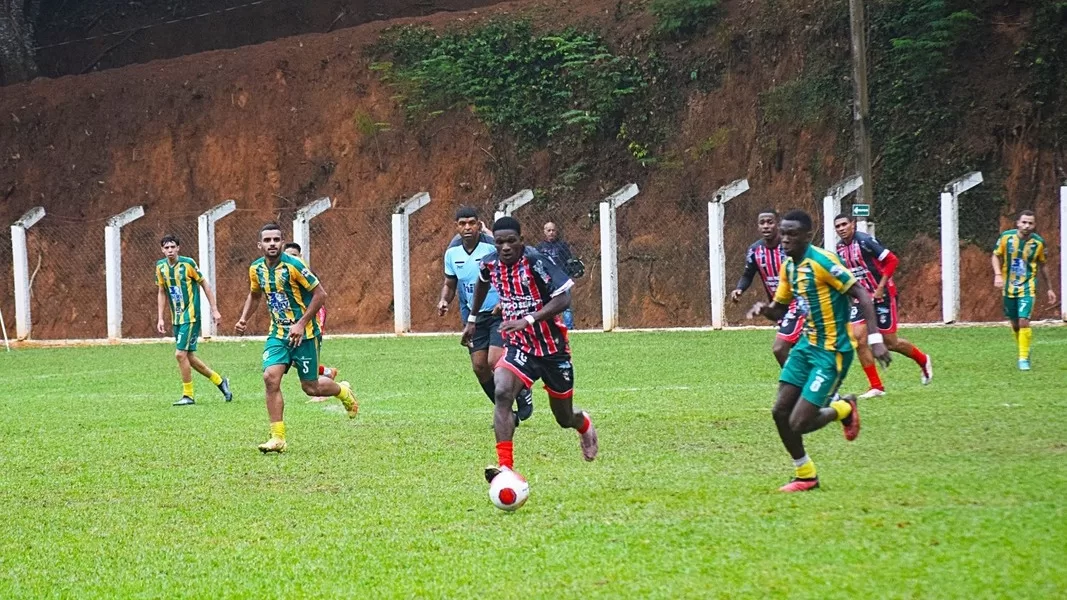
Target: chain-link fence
(7, 282)
(68, 297)
(141, 251)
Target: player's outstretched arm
(318, 300)
(251, 302)
(211, 304)
(772, 310)
(161, 304)
(555, 306)
(866, 303)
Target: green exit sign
(861, 210)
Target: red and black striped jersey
(525, 287)
(868, 259)
(767, 262)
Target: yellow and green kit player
(178, 278)
(294, 296)
(1022, 251)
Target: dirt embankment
(277, 125)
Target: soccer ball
(509, 490)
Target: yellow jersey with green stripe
(820, 283)
(1019, 260)
(180, 282)
(287, 287)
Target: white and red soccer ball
(509, 490)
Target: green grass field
(952, 491)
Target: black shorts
(556, 371)
(791, 326)
(886, 311)
(486, 332)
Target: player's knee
(482, 371)
(311, 388)
(780, 414)
(503, 395)
(181, 355)
(272, 380)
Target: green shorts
(186, 336)
(305, 357)
(816, 372)
(1018, 308)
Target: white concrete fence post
(113, 267)
(950, 243)
(1063, 249)
(302, 225)
(512, 204)
(609, 255)
(205, 225)
(717, 247)
(402, 261)
(831, 207)
(20, 258)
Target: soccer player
(533, 292)
(462, 261)
(293, 295)
(765, 257)
(1022, 250)
(175, 276)
(558, 252)
(873, 265)
(819, 361)
(294, 249)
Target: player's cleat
(224, 387)
(492, 471)
(872, 393)
(273, 445)
(851, 423)
(928, 371)
(352, 405)
(524, 403)
(589, 441)
(800, 485)
(1024, 364)
(329, 372)
(185, 401)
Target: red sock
(322, 369)
(918, 356)
(504, 456)
(585, 424)
(872, 376)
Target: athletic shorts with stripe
(791, 326)
(885, 309)
(555, 371)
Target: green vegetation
(680, 18)
(564, 86)
(951, 490)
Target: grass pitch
(952, 490)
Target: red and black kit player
(764, 258)
(873, 265)
(533, 293)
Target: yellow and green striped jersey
(180, 282)
(288, 288)
(1019, 259)
(820, 283)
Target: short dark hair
(466, 212)
(270, 227)
(1025, 213)
(844, 216)
(800, 217)
(768, 211)
(293, 245)
(168, 239)
(507, 223)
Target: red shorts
(886, 309)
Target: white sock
(800, 462)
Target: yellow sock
(844, 409)
(215, 378)
(187, 388)
(277, 430)
(344, 394)
(1025, 334)
(806, 470)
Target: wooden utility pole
(861, 103)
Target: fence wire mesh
(141, 251)
(68, 298)
(7, 282)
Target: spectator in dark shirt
(559, 253)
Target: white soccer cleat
(872, 393)
(927, 371)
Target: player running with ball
(533, 292)
(820, 360)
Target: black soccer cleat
(224, 387)
(491, 472)
(185, 401)
(524, 403)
